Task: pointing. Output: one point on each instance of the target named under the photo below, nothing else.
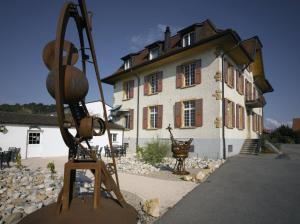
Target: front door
(34, 144)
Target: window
(229, 79)
(229, 114)
(248, 91)
(127, 121)
(153, 116)
(189, 74)
(34, 138)
(127, 64)
(240, 117)
(153, 83)
(188, 39)
(239, 83)
(128, 89)
(114, 137)
(189, 113)
(154, 53)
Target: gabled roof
(36, 119)
(207, 34)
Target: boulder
(151, 207)
(30, 209)
(187, 177)
(200, 176)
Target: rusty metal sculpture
(180, 150)
(68, 85)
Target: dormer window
(127, 64)
(188, 39)
(154, 53)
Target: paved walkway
(247, 189)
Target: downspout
(137, 111)
(223, 109)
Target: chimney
(167, 39)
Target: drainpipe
(223, 108)
(137, 111)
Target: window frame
(187, 39)
(127, 121)
(153, 83)
(113, 137)
(153, 56)
(126, 90)
(189, 113)
(230, 75)
(127, 64)
(152, 117)
(34, 138)
(189, 74)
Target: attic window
(154, 53)
(127, 64)
(188, 39)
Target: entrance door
(34, 144)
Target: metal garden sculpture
(68, 85)
(180, 150)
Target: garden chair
(5, 157)
(107, 151)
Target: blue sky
(120, 27)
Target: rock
(30, 209)
(40, 197)
(151, 207)
(187, 177)
(200, 176)
(13, 218)
(19, 202)
(48, 201)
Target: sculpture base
(184, 172)
(82, 211)
(179, 168)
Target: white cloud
(273, 124)
(139, 41)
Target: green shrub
(18, 161)
(51, 167)
(154, 152)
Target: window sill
(151, 94)
(151, 129)
(185, 87)
(229, 127)
(127, 129)
(189, 127)
(126, 99)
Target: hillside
(30, 108)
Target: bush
(154, 152)
(51, 167)
(19, 161)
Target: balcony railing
(255, 103)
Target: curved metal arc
(82, 6)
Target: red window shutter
(233, 114)
(159, 116)
(225, 71)
(178, 108)
(146, 85)
(232, 81)
(145, 117)
(237, 81)
(131, 119)
(250, 91)
(226, 112)
(243, 118)
(253, 121)
(237, 116)
(131, 88)
(159, 81)
(179, 76)
(243, 85)
(254, 93)
(199, 112)
(198, 72)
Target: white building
(39, 135)
(178, 81)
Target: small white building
(39, 135)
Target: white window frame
(154, 53)
(114, 137)
(127, 64)
(127, 121)
(187, 39)
(126, 90)
(189, 113)
(153, 113)
(153, 83)
(34, 138)
(189, 74)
